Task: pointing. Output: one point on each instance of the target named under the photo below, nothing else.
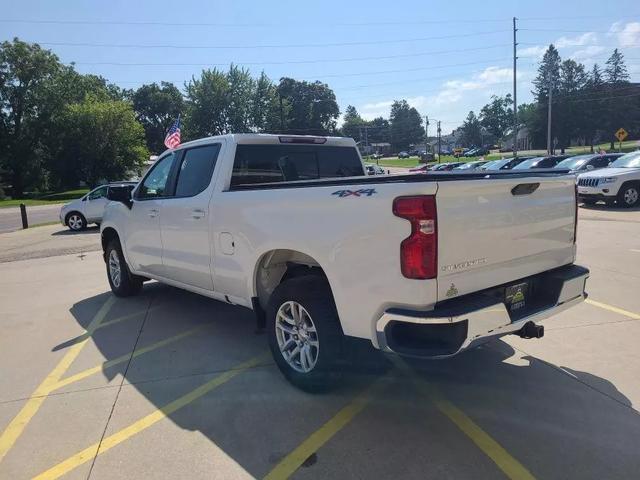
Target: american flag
(172, 140)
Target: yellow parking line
(120, 436)
(292, 462)
(511, 467)
(18, 424)
(613, 309)
(122, 359)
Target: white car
(78, 213)
(292, 228)
(373, 169)
(618, 183)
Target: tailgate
(489, 235)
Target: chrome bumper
(480, 321)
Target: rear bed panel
(488, 236)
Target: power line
(252, 47)
(289, 62)
(242, 25)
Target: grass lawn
(50, 199)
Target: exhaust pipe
(531, 330)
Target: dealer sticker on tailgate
(515, 296)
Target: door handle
(153, 213)
(197, 213)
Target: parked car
(506, 149)
(540, 162)
(618, 183)
(403, 155)
(423, 168)
(504, 164)
(78, 213)
(470, 165)
(231, 227)
(376, 156)
(446, 166)
(373, 169)
(582, 163)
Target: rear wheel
(629, 195)
(76, 221)
(122, 282)
(304, 331)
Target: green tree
(206, 104)
(265, 105)
(379, 130)
(595, 109)
(240, 94)
(406, 125)
(618, 112)
(25, 71)
(101, 139)
(157, 107)
(353, 123)
(548, 76)
(570, 113)
(471, 130)
(308, 107)
(497, 116)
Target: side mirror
(120, 194)
(590, 167)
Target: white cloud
(536, 51)
(579, 41)
(627, 35)
(587, 53)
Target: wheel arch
(106, 236)
(275, 266)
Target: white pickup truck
(423, 265)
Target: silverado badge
(453, 291)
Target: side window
(98, 193)
(601, 162)
(156, 183)
(196, 170)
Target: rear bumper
(458, 324)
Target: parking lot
(172, 385)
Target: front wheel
(122, 282)
(304, 332)
(76, 221)
(629, 195)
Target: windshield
(468, 166)
(496, 164)
(574, 163)
(630, 160)
(527, 163)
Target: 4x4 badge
(453, 291)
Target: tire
(314, 325)
(629, 195)
(122, 282)
(76, 221)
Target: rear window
(288, 163)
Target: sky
(444, 58)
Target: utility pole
(515, 91)
(439, 130)
(426, 132)
(549, 115)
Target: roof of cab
(266, 138)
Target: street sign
(621, 134)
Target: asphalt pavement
(170, 384)
(10, 219)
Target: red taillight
(419, 251)
(575, 223)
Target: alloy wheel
(114, 268)
(297, 336)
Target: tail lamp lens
(419, 251)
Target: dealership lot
(169, 384)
